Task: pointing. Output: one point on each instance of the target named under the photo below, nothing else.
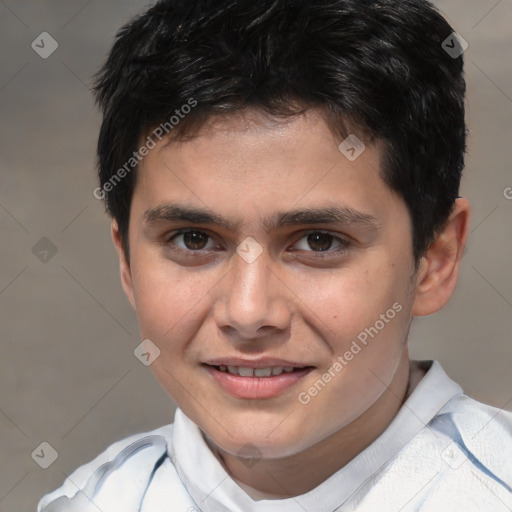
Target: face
(296, 274)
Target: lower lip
(256, 387)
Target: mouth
(246, 371)
(256, 381)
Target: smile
(244, 371)
(256, 383)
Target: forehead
(279, 146)
(254, 168)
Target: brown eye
(193, 240)
(320, 241)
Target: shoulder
(482, 433)
(459, 460)
(127, 465)
(477, 424)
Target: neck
(302, 472)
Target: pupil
(320, 241)
(194, 240)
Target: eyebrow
(328, 215)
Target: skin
(293, 302)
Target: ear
(124, 266)
(439, 267)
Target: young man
(283, 181)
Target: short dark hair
(377, 66)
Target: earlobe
(124, 266)
(439, 267)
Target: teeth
(243, 371)
(233, 370)
(261, 372)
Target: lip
(256, 388)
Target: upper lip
(253, 363)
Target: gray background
(68, 375)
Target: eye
(192, 240)
(322, 242)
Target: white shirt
(443, 451)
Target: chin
(261, 445)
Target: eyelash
(344, 244)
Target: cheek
(345, 302)
(166, 299)
(169, 311)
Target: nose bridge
(251, 298)
(250, 278)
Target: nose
(252, 301)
